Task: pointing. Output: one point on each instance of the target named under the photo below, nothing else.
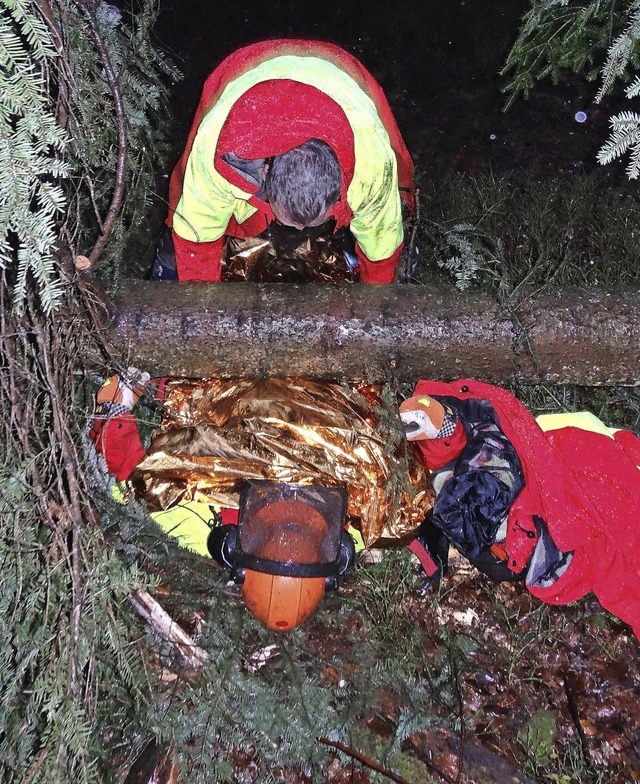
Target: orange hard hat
(289, 546)
(281, 603)
(287, 531)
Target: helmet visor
(291, 526)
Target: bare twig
(62, 100)
(364, 760)
(412, 239)
(575, 717)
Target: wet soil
(538, 681)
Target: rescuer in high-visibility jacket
(298, 132)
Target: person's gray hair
(305, 182)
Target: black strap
(285, 568)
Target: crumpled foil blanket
(285, 255)
(218, 432)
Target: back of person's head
(305, 182)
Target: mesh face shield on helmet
(289, 547)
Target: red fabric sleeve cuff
(229, 516)
(383, 271)
(420, 551)
(198, 260)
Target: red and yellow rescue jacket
(262, 101)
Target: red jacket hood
(290, 113)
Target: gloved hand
(121, 393)
(114, 431)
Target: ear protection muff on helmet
(222, 543)
(346, 555)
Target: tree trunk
(341, 331)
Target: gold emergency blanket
(216, 433)
(288, 256)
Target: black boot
(436, 545)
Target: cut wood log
(571, 335)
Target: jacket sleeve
(630, 443)
(118, 441)
(198, 260)
(377, 218)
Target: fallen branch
(364, 760)
(192, 656)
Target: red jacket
(584, 485)
(303, 112)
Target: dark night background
(438, 63)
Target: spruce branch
(594, 38)
(121, 119)
(620, 53)
(67, 640)
(633, 90)
(625, 135)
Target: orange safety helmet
(289, 547)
